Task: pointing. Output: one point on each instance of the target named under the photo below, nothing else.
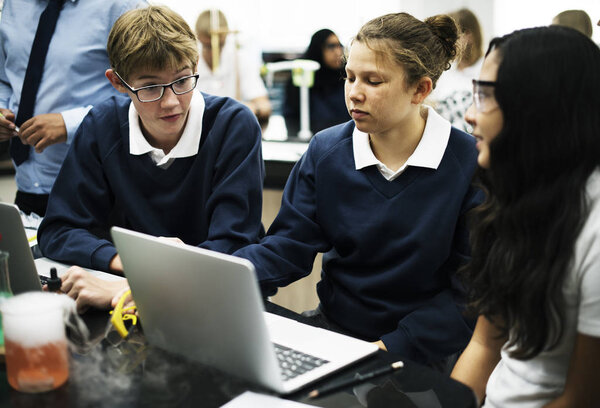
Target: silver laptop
(13, 239)
(24, 272)
(207, 306)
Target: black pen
(358, 379)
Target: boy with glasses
(165, 160)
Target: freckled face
(377, 97)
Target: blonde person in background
(576, 19)
(452, 94)
(230, 71)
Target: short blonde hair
(153, 38)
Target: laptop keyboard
(293, 362)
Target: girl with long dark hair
(534, 278)
(326, 96)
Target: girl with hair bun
(534, 278)
(384, 197)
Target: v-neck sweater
(212, 199)
(391, 248)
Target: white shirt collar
(428, 153)
(187, 145)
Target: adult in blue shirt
(72, 81)
(384, 197)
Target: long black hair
(328, 87)
(548, 89)
(324, 76)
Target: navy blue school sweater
(391, 248)
(212, 199)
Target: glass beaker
(37, 358)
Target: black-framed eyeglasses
(483, 95)
(153, 93)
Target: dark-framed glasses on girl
(483, 96)
(153, 93)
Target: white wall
(510, 15)
(278, 25)
(284, 25)
(483, 9)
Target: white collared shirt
(187, 145)
(428, 153)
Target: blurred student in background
(452, 94)
(534, 278)
(576, 19)
(326, 97)
(231, 71)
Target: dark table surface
(106, 373)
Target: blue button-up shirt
(73, 78)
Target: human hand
(380, 344)
(116, 265)
(43, 130)
(88, 290)
(7, 125)
(128, 302)
(172, 239)
(261, 107)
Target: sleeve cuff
(73, 118)
(101, 257)
(399, 342)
